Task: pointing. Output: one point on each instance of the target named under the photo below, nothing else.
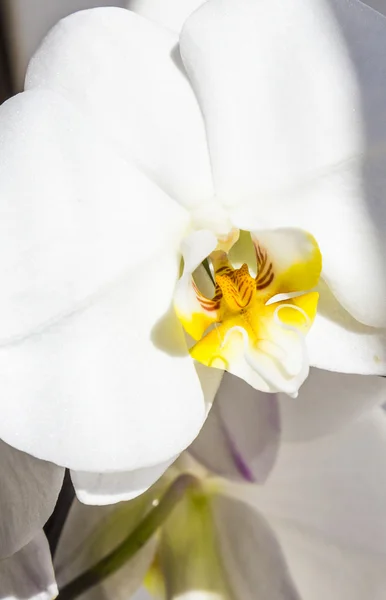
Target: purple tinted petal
(239, 461)
(241, 435)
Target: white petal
(294, 103)
(333, 486)
(75, 215)
(337, 341)
(29, 490)
(252, 557)
(323, 570)
(195, 249)
(28, 574)
(240, 437)
(30, 22)
(112, 64)
(326, 401)
(94, 369)
(170, 13)
(109, 488)
(241, 57)
(90, 533)
(109, 388)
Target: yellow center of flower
(246, 326)
(237, 287)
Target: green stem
(132, 544)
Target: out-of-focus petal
(241, 434)
(293, 96)
(29, 490)
(92, 532)
(28, 574)
(323, 570)
(378, 5)
(188, 556)
(326, 402)
(252, 557)
(142, 594)
(109, 488)
(333, 486)
(111, 64)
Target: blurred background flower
(284, 505)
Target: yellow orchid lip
(242, 328)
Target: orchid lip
(237, 326)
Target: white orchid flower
(111, 172)
(301, 520)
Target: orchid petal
(29, 490)
(378, 5)
(29, 24)
(109, 488)
(323, 570)
(252, 557)
(188, 556)
(169, 13)
(75, 219)
(241, 434)
(333, 486)
(192, 314)
(110, 64)
(90, 533)
(29, 574)
(326, 402)
(267, 349)
(332, 530)
(288, 260)
(125, 401)
(293, 99)
(338, 342)
(94, 369)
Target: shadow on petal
(168, 336)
